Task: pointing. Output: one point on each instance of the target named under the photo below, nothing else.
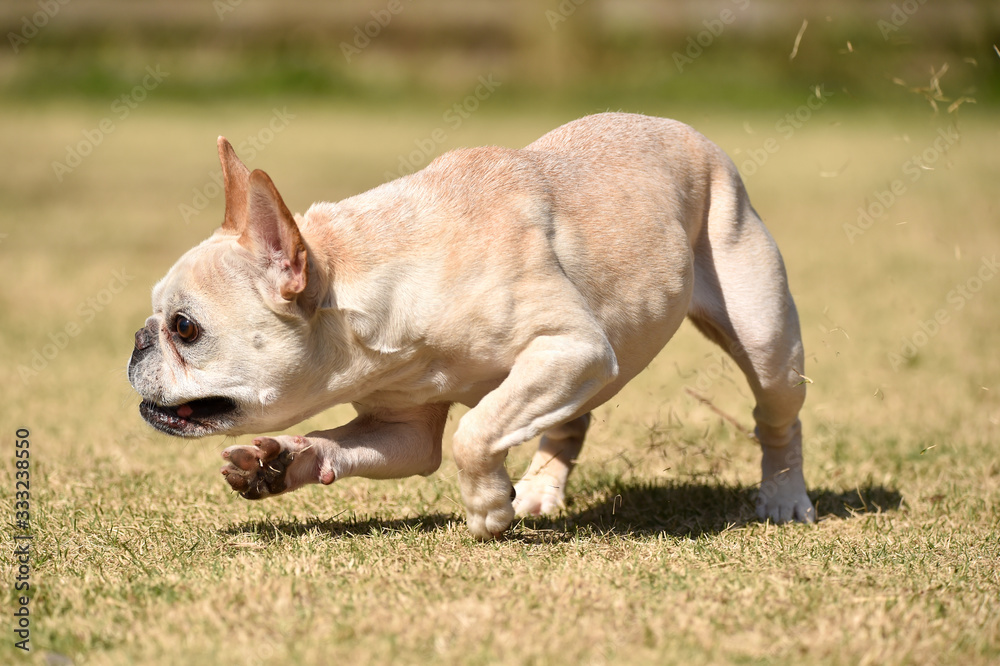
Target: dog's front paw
(488, 508)
(259, 470)
(487, 524)
(539, 495)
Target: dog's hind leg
(542, 489)
(741, 301)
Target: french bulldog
(530, 285)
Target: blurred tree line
(604, 52)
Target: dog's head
(227, 348)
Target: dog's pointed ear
(271, 233)
(236, 178)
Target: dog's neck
(359, 247)
(358, 234)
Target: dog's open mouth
(190, 419)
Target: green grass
(142, 556)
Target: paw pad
(257, 471)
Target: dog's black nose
(143, 339)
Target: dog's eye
(186, 329)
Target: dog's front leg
(550, 383)
(378, 444)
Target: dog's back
(604, 212)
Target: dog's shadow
(696, 509)
(681, 509)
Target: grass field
(141, 555)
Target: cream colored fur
(530, 285)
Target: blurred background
(579, 53)
(866, 132)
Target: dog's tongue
(184, 411)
